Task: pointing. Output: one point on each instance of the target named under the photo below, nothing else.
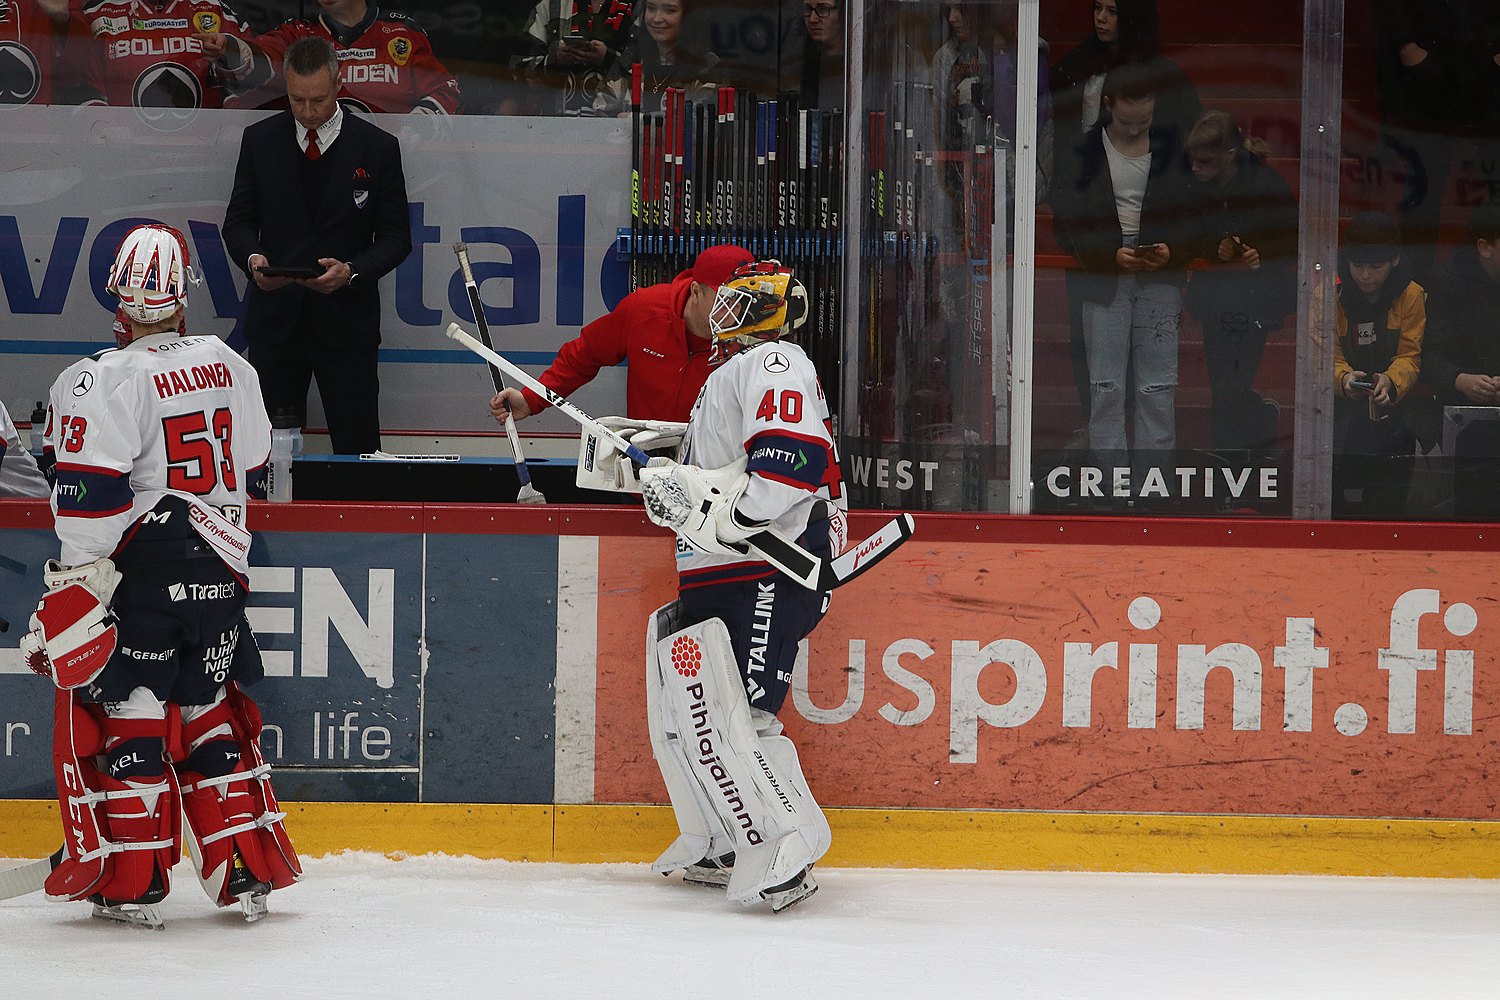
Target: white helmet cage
(151, 273)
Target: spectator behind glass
(974, 85)
(386, 63)
(1247, 218)
(198, 56)
(1381, 320)
(1461, 352)
(823, 54)
(673, 52)
(1438, 80)
(1121, 214)
(573, 61)
(1124, 31)
(34, 35)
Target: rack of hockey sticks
(732, 167)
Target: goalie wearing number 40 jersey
(156, 446)
(758, 455)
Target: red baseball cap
(716, 265)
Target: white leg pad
(702, 834)
(705, 698)
(810, 819)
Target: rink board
(1004, 692)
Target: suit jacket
(362, 219)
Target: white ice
(442, 928)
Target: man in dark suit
(322, 190)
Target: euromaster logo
(687, 658)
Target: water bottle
(38, 428)
(284, 430)
(279, 471)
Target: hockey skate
(144, 912)
(249, 890)
(791, 892)
(711, 873)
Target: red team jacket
(28, 53)
(646, 329)
(386, 63)
(146, 56)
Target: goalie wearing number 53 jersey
(156, 446)
(757, 456)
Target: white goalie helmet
(761, 301)
(151, 273)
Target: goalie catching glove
(699, 505)
(73, 633)
(603, 466)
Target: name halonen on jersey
(180, 380)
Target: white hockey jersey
(765, 403)
(19, 476)
(167, 415)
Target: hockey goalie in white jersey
(757, 455)
(155, 447)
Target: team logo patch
(20, 76)
(206, 21)
(361, 187)
(687, 657)
(400, 50)
(167, 96)
(776, 363)
(1365, 335)
(84, 384)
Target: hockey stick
(809, 570)
(25, 878)
(528, 492)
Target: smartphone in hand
(1363, 384)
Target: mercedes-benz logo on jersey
(167, 96)
(84, 384)
(20, 76)
(776, 363)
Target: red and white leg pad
(226, 793)
(119, 834)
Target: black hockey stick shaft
(528, 493)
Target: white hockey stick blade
(24, 879)
(873, 549)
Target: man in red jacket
(661, 331)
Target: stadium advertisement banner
(378, 687)
(1119, 678)
(541, 241)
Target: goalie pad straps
(226, 793)
(706, 700)
(702, 834)
(119, 831)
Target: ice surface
(441, 928)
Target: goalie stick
(809, 570)
(528, 493)
(25, 878)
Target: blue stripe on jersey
(789, 458)
(84, 492)
(255, 483)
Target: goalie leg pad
(701, 833)
(706, 701)
(237, 832)
(120, 822)
(783, 756)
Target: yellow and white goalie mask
(761, 301)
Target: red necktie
(313, 152)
